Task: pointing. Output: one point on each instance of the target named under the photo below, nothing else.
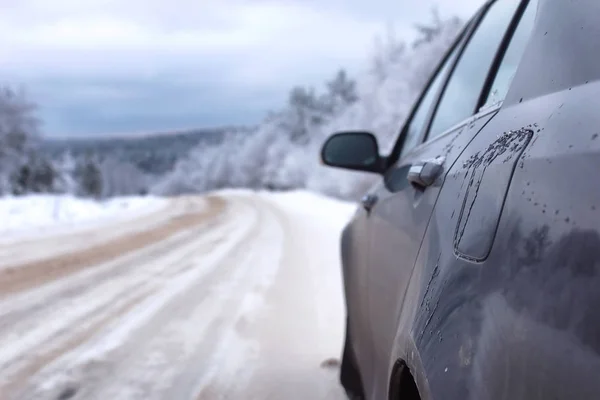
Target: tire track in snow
(21, 312)
(30, 249)
(286, 335)
(222, 351)
(96, 300)
(33, 274)
(50, 352)
(239, 306)
(105, 361)
(209, 304)
(24, 305)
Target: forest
(280, 153)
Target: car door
(355, 277)
(410, 188)
(468, 255)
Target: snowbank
(333, 212)
(41, 214)
(304, 203)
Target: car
(472, 268)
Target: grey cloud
(128, 106)
(148, 82)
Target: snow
(246, 303)
(328, 210)
(48, 214)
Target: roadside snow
(247, 303)
(43, 214)
(333, 212)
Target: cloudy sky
(129, 66)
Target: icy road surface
(236, 295)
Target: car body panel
(398, 223)
(562, 52)
(492, 329)
(483, 187)
(355, 269)
(510, 309)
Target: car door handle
(368, 201)
(424, 173)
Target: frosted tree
(120, 178)
(388, 51)
(386, 93)
(89, 177)
(23, 166)
(36, 174)
(66, 166)
(341, 93)
(305, 111)
(428, 32)
(18, 132)
(283, 152)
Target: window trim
(465, 34)
(494, 108)
(500, 54)
(492, 71)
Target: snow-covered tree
(283, 152)
(89, 177)
(386, 94)
(18, 132)
(121, 178)
(66, 166)
(23, 167)
(341, 93)
(305, 111)
(36, 174)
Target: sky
(106, 67)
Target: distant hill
(154, 154)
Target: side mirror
(353, 150)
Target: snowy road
(236, 295)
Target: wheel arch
(403, 385)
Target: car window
(416, 125)
(512, 57)
(462, 93)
